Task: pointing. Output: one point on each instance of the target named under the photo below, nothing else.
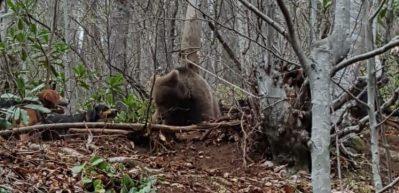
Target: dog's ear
(100, 107)
(51, 99)
(33, 116)
(91, 116)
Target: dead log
(121, 126)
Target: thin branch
(393, 43)
(291, 36)
(208, 18)
(337, 150)
(362, 122)
(154, 65)
(39, 22)
(136, 85)
(347, 152)
(279, 28)
(388, 117)
(377, 10)
(226, 47)
(222, 79)
(351, 129)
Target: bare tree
(318, 65)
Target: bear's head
(169, 89)
(172, 98)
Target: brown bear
(183, 97)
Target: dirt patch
(188, 166)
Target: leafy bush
(112, 93)
(29, 47)
(97, 175)
(135, 110)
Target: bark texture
(324, 55)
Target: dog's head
(100, 112)
(52, 99)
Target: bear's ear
(171, 79)
(174, 77)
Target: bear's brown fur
(183, 97)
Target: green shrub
(98, 175)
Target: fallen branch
(120, 126)
(362, 122)
(352, 129)
(357, 89)
(348, 95)
(389, 185)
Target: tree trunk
(279, 125)
(69, 33)
(371, 93)
(191, 37)
(320, 85)
(92, 43)
(136, 49)
(119, 30)
(324, 55)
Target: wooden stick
(120, 126)
(99, 131)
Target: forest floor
(190, 166)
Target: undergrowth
(98, 175)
